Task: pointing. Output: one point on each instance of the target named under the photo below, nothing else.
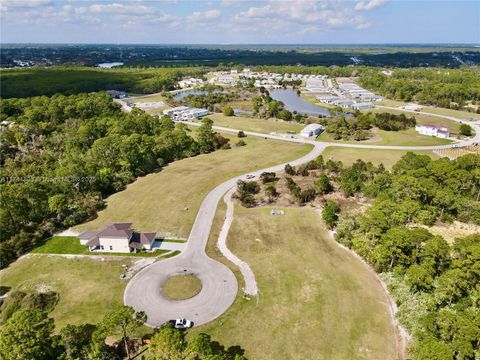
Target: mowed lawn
(167, 202)
(254, 124)
(316, 300)
(88, 288)
(434, 110)
(395, 138)
(386, 157)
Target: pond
(181, 95)
(294, 102)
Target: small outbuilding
(311, 130)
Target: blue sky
(235, 21)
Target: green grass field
(88, 288)
(398, 138)
(386, 157)
(254, 124)
(148, 98)
(434, 110)
(167, 202)
(316, 300)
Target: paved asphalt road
(219, 285)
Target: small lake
(181, 95)
(109, 65)
(293, 102)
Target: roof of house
(143, 238)
(116, 230)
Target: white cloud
(368, 5)
(116, 8)
(204, 16)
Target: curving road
(219, 285)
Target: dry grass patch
(255, 124)
(181, 287)
(454, 230)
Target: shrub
(228, 111)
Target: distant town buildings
(191, 82)
(433, 130)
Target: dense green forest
(435, 284)
(61, 156)
(450, 88)
(72, 80)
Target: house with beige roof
(117, 238)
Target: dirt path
(247, 273)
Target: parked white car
(250, 176)
(181, 323)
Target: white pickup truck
(181, 323)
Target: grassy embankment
(386, 157)
(316, 300)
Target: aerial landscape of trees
(449, 88)
(61, 156)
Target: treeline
(16, 83)
(356, 126)
(451, 88)
(29, 333)
(435, 284)
(61, 156)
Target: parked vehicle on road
(181, 323)
(250, 176)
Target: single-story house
(311, 130)
(433, 130)
(117, 237)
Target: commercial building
(185, 113)
(311, 130)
